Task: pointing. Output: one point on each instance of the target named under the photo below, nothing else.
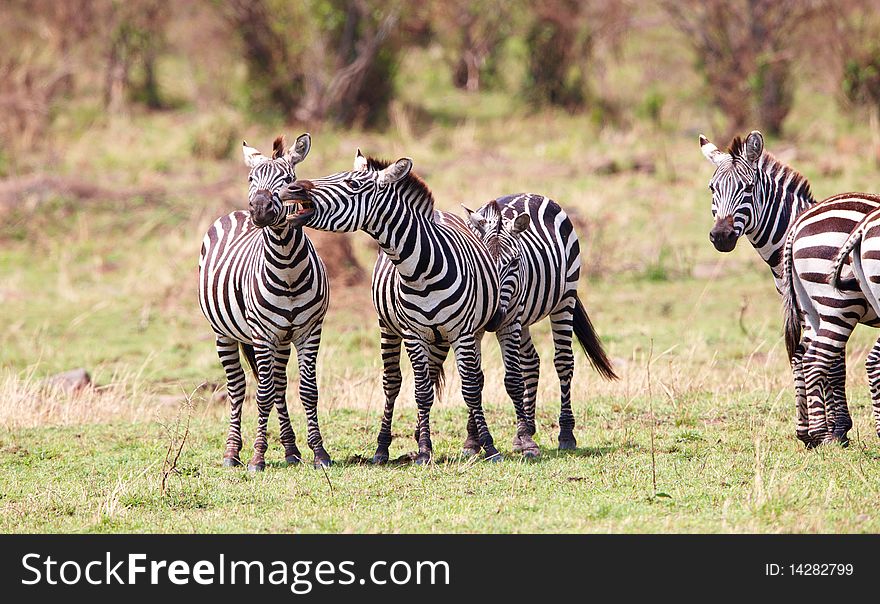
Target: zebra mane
(736, 148)
(782, 172)
(278, 147)
(412, 181)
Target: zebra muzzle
(299, 211)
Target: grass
(698, 435)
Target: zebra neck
(411, 243)
(782, 196)
(282, 253)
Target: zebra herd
(439, 282)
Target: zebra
(862, 250)
(263, 289)
(537, 253)
(435, 285)
(756, 195)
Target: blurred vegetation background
(721, 65)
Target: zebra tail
(251, 357)
(589, 340)
(792, 314)
(439, 383)
(854, 239)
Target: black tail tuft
(586, 335)
(251, 357)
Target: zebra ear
(754, 146)
(711, 151)
(521, 223)
(360, 162)
(300, 149)
(477, 221)
(395, 172)
(252, 157)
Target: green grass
(737, 471)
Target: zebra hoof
(493, 457)
(257, 467)
(567, 444)
(293, 460)
(517, 444)
(322, 462)
(422, 459)
(231, 462)
(380, 459)
(469, 451)
(842, 439)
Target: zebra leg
(873, 367)
(265, 357)
(840, 420)
(563, 359)
(467, 358)
(797, 369)
(306, 356)
(391, 385)
(509, 341)
(472, 445)
(530, 365)
(817, 363)
(227, 350)
(437, 353)
(418, 356)
(285, 434)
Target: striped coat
(264, 290)
(442, 292)
(538, 256)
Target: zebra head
(267, 178)
(733, 188)
(501, 235)
(347, 201)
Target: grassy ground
(697, 436)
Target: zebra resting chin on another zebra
(435, 285)
(263, 289)
(537, 253)
(757, 196)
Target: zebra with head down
(263, 289)
(536, 250)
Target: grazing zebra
(263, 288)
(756, 195)
(442, 292)
(863, 248)
(538, 256)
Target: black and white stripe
(538, 256)
(442, 292)
(756, 195)
(263, 289)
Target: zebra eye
(351, 184)
(288, 179)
